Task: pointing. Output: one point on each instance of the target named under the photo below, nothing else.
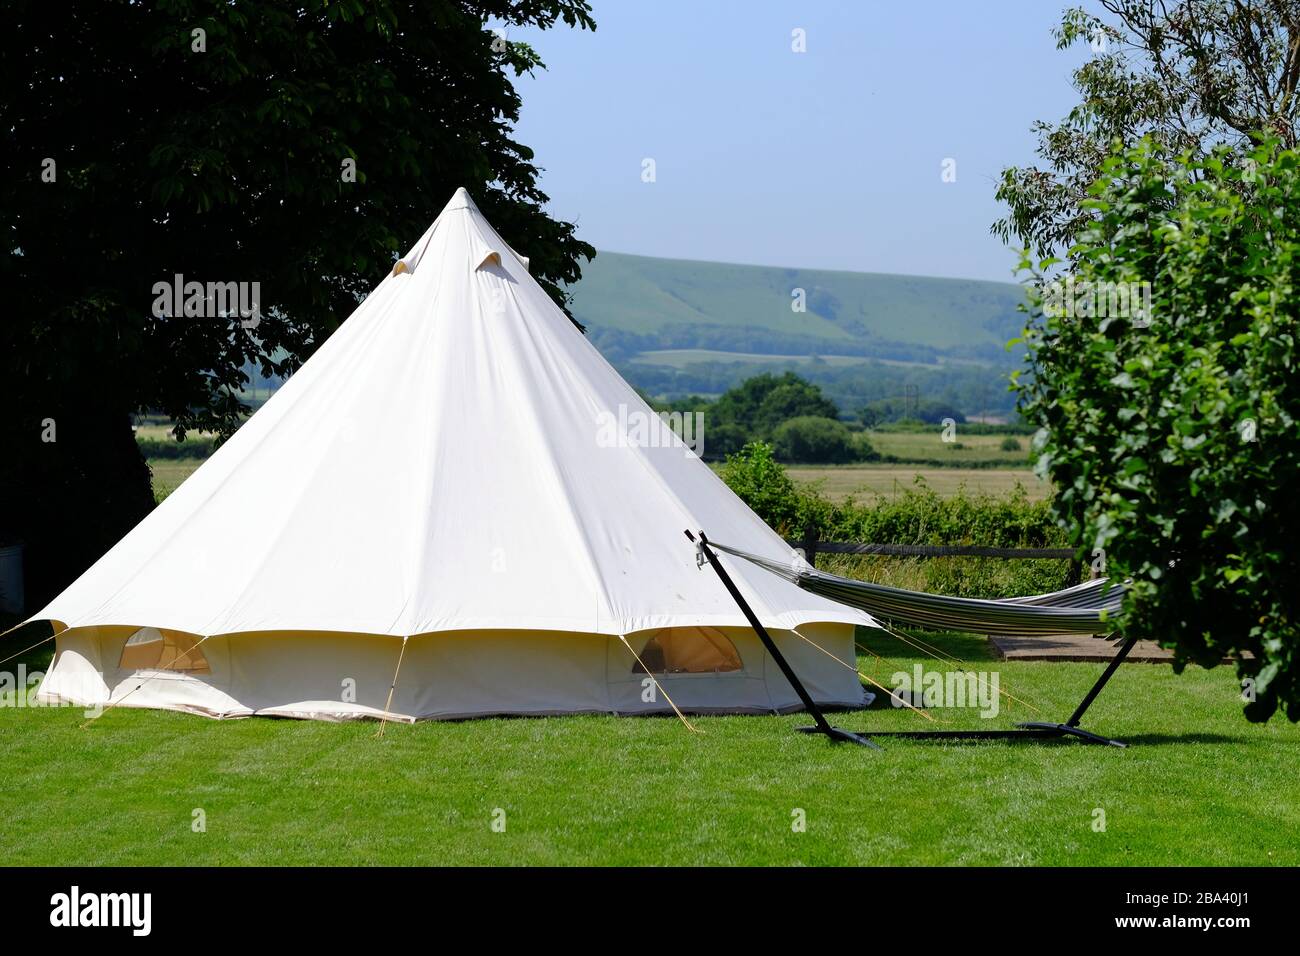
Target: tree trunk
(72, 483)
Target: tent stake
(822, 726)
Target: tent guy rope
(680, 716)
(158, 672)
(392, 687)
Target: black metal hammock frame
(1088, 608)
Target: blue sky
(825, 159)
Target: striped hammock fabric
(1088, 608)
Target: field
(168, 473)
(836, 481)
(1199, 786)
(154, 431)
(964, 449)
(864, 481)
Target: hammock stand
(1075, 609)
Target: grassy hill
(647, 304)
(676, 327)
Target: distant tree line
(785, 410)
(620, 345)
(972, 390)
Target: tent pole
(822, 726)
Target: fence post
(810, 544)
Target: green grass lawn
(1199, 786)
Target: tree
(1189, 75)
(723, 439)
(812, 440)
(300, 146)
(1172, 431)
(764, 401)
(924, 411)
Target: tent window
(688, 650)
(152, 649)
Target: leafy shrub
(754, 474)
(956, 576)
(723, 439)
(818, 441)
(904, 411)
(763, 402)
(1010, 443)
(922, 516)
(917, 516)
(1173, 432)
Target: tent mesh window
(688, 650)
(151, 649)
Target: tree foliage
(764, 401)
(909, 408)
(754, 474)
(1175, 445)
(915, 515)
(814, 440)
(784, 410)
(210, 140)
(1189, 74)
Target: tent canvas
(449, 482)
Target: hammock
(1088, 608)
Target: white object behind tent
(439, 474)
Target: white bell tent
(445, 513)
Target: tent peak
(460, 199)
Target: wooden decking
(1074, 647)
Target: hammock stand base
(1028, 730)
(1037, 728)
